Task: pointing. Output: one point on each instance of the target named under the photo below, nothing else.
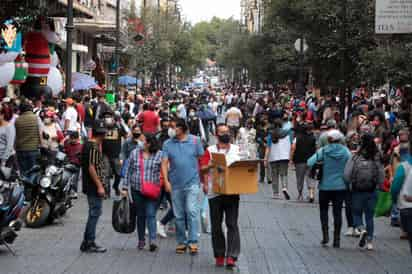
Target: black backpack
(364, 176)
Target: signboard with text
(393, 16)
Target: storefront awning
(95, 26)
(78, 9)
(75, 47)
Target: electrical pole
(342, 94)
(69, 41)
(117, 49)
(301, 85)
(143, 48)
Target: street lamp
(69, 40)
(301, 47)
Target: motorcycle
(11, 205)
(49, 189)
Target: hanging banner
(393, 16)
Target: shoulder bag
(148, 189)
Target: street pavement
(277, 237)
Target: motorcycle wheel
(37, 216)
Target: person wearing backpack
(277, 158)
(364, 172)
(304, 146)
(401, 190)
(332, 187)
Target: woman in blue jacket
(332, 187)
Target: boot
(325, 235)
(336, 237)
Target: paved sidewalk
(277, 237)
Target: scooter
(50, 193)
(11, 205)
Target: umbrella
(81, 81)
(127, 80)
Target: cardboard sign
(240, 177)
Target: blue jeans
(146, 212)
(186, 204)
(364, 203)
(95, 211)
(27, 159)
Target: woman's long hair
(154, 145)
(368, 148)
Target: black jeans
(348, 209)
(227, 206)
(114, 164)
(336, 197)
(406, 220)
(169, 215)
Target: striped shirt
(92, 156)
(151, 169)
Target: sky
(203, 10)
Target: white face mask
(47, 121)
(140, 144)
(171, 132)
(109, 121)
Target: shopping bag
(124, 216)
(384, 204)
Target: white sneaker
(350, 232)
(356, 232)
(369, 246)
(276, 196)
(161, 231)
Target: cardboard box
(240, 177)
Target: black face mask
(225, 138)
(136, 135)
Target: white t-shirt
(214, 105)
(233, 116)
(232, 155)
(71, 115)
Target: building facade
(252, 15)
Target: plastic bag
(124, 216)
(384, 204)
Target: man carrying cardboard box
(224, 205)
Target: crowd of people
(165, 140)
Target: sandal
(181, 249)
(194, 249)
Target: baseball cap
(335, 135)
(331, 123)
(69, 101)
(99, 127)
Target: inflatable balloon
(37, 54)
(6, 73)
(54, 60)
(20, 73)
(55, 81)
(7, 57)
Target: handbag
(148, 189)
(384, 204)
(124, 216)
